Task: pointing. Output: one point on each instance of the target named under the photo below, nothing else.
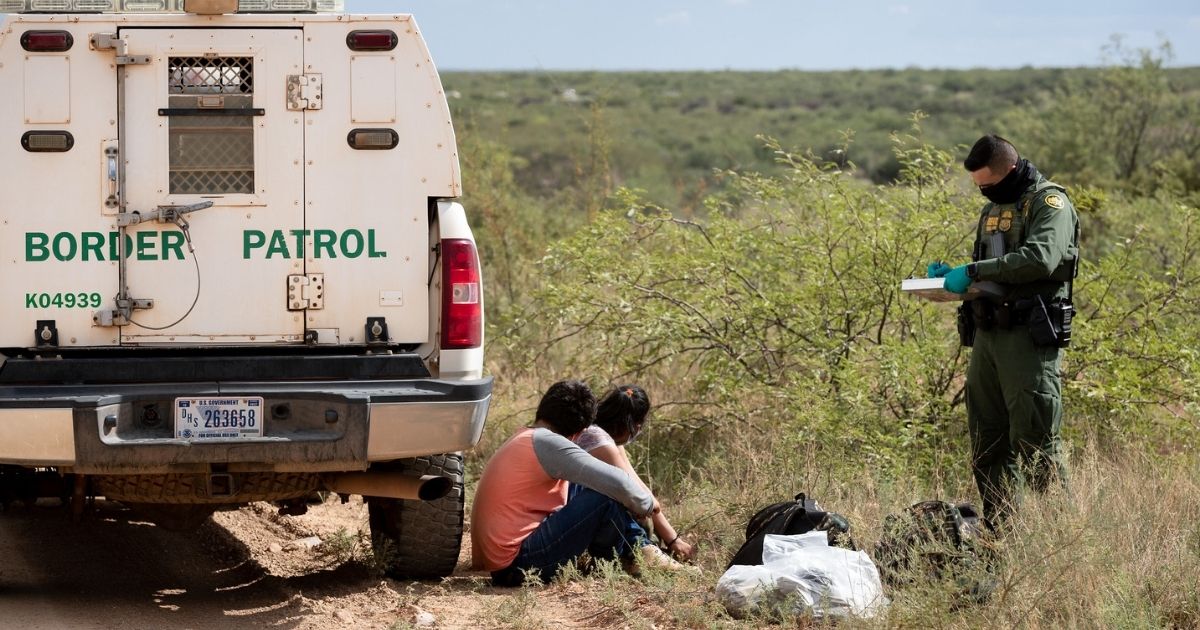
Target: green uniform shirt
(1040, 242)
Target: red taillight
(462, 299)
(47, 41)
(372, 40)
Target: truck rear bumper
(312, 426)
(37, 437)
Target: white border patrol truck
(232, 266)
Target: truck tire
(419, 539)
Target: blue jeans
(590, 521)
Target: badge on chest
(1001, 221)
(1006, 221)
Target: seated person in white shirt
(620, 417)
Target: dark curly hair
(568, 407)
(622, 412)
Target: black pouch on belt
(1003, 315)
(983, 313)
(966, 325)
(1041, 325)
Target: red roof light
(372, 40)
(47, 41)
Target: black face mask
(1009, 189)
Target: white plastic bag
(804, 573)
(747, 587)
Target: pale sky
(801, 34)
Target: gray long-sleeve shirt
(563, 459)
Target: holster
(966, 325)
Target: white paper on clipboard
(934, 289)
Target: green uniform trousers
(1014, 415)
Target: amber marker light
(373, 139)
(47, 141)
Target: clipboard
(934, 290)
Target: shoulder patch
(1055, 200)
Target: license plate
(220, 418)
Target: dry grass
(1119, 549)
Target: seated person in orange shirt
(522, 522)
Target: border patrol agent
(1027, 240)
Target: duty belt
(1002, 315)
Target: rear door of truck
(320, 146)
(380, 147)
(207, 119)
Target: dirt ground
(245, 569)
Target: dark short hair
(622, 411)
(993, 152)
(568, 407)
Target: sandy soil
(245, 569)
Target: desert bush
(1131, 125)
(779, 311)
(1134, 371)
(758, 303)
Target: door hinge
(306, 291)
(111, 41)
(303, 92)
(122, 315)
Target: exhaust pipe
(389, 485)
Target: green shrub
(780, 311)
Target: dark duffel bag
(798, 516)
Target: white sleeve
(593, 438)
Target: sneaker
(654, 557)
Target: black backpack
(791, 517)
(934, 541)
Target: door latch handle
(111, 155)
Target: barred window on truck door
(211, 125)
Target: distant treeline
(666, 132)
